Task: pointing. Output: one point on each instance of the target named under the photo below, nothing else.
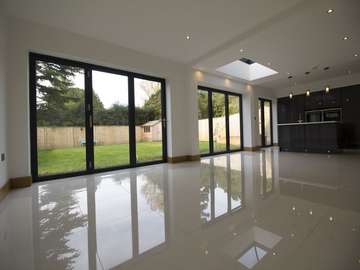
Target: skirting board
(21, 182)
(4, 190)
(183, 159)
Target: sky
(113, 88)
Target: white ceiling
(294, 35)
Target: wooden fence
(219, 128)
(70, 137)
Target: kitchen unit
(324, 122)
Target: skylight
(246, 69)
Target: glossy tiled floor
(264, 210)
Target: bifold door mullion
(132, 131)
(227, 123)
(89, 121)
(163, 120)
(210, 115)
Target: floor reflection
(221, 187)
(266, 173)
(67, 219)
(249, 210)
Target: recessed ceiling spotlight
(241, 50)
(326, 68)
(290, 77)
(346, 38)
(187, 37)
(356, 55)
(307, 72)
(330, 10)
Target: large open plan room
(180, 135)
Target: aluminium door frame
(211, 90)
(88, 68)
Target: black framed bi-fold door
(265, 122)
(219, 121)
(87, 118)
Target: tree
(60, 103)
(203, 105)
(154, 104)
(54, 86)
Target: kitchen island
(312, 137)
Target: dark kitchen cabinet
(283, 107)
(330, 137)
(323, 100)
(315, 138)
(297, 138)
(314, 101)
(291, 138)
(291, 110)
(297, 105)
(332, 99)
(351, 116)
(284, 138)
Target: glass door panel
(234, 122)
(87, 118)
(267, 122)
(260, 117)
(203, 116)
(60, 118)
(148, 120)
(110, 119)
(219, 122)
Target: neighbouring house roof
(151, 123)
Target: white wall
(3, 100)
(25, 37)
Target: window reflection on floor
(151, 217)
(113, 231)
(61, 229)
(66, 219)
(266, 173)
(221, 186)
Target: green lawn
(74, 159)
(218, 147)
